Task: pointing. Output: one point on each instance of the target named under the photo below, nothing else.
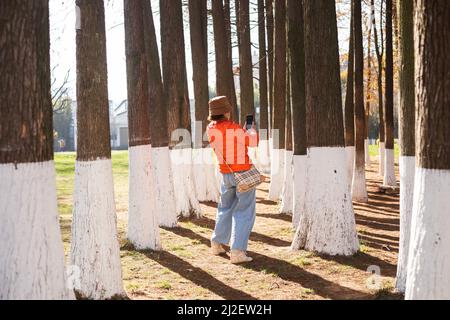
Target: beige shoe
(239, 256)
(217, 249)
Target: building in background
(118, 119)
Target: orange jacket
(231, 142)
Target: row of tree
(304, 85)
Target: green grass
(165, 285)
(373, 150)
(65, 172)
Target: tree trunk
(270, 50)
(407, 134)
(227, 15)
(327, 224)
(198, 26)
(174, 68)
(349, 107)
(95, 246)
(31, 250)
(379, 49)
(368, 93)
(165, 197)
(245, 61)
(288, 112)
(143, 224)
(429, 261)
(263, 95)
(297, 73)
(359, 190)
(279, 95)
(177, 99)
(279, 90)
(224, 63)
(263, 147)
(389, 169)
(287, 195)
(158, 110)
(204, 167)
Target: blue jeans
(236, 215)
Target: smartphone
(249, 122)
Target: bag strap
(223, 158)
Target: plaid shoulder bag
(245, 180)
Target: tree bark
(227, 15)
(174, 67)
(279, 90)
(432, 43)
(93, 139)
(137, 79)
(224, 63)
(288, 126)
(407, 90)
(26, 133)
(198, 22)
(270, 56)
(389, 84)
(379, 49)
(158, 110)
(369, 80)
(349, 114)
(245, 59)
(296, 46)
(323, 112)
(263, 95)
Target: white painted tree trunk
(287, 191)
(299, 188)
(389, 169)
(264, 156)
(164, 194)
(219, 178)
(327, 224)
(381, 159)
(253, 155)
(200, 172)
(350, 158)
(95, 244)
(276, 174)
(407, 171)
(428, 274)
(367, 151)
(143, 220)
(183, 181)
(212, 189)
(165, 197)
(31, 249)
(359, 187)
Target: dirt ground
(186, 270)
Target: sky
(62, 51)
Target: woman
(236, 211)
